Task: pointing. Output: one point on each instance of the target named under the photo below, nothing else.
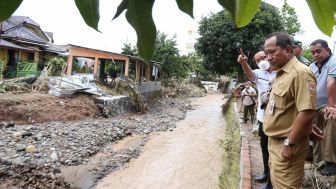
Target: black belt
(278, 138)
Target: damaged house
(24, 47)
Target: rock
(2, 172)
(5, 162)
(3, 124)
(2, 143)
(68, 162)
(61, 103)
(26, 134)
(42, 175)
(53, 155)
(19, 161)
(146, 131)
(31, 149)
(28, 128)
(59, 176)
(51, 175)
(38, 155)
(17, 134)
(10, 173)
(20, 147)
(10, 124)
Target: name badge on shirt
(271, 107)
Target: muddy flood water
(187, 157)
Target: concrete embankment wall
(150, 90)
(115, 105)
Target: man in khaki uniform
(289, 113)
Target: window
(30, 57)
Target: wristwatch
(288, 143)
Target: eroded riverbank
(187, 157)
(31, 156)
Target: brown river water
(189, 157)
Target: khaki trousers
(325, 150)
(287, 174)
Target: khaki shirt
(293, 90)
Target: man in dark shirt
(297, 51)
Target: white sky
(63, 19)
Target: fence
(26, 69)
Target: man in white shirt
(249, 103)
(263, 78)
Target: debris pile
(65, 86)
(31, 155)
(31, 176)
(174, 89)
(127, 87)
(313, 179)
(17, 84)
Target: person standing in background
(247, 97)
(297, 50)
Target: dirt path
(187, 157)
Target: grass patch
(230, 175)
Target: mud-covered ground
(30, 108)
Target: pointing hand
(242, 58)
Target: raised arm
(242, 60)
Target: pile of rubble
(32, 155)
(175, 89)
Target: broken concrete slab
(111, 106)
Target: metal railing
(25, 69)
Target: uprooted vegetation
(314, 180)
(127, 87)
(174, 88)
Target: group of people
(293, 96)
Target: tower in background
(190, 42)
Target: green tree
(306, 53)
(57, 64)
(220, 40)
(165, 49)
(167, 53)
(289, 19)
(195, 61)
(139, 15)
(129, 49)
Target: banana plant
(139, 15)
